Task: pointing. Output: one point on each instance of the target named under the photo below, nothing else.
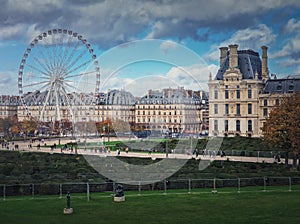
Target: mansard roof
(170, 96)
(288, 85)
(249, 63)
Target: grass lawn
(254, 207)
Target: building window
(238, 94)
(216, 125)
(265, 112)
(226, 94)
(277, 102)
(226, 109)
(216, 108)
(226, 125)
(249, 93)
(250, 125)
(249, 108)
(238, 125)
(238, 109)
(265, 102)
(216, 94)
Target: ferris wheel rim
(64, 72)
(40, 38)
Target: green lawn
(255, 207)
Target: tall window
(226, 125)
(250, 125)
(226, 109)
(265, 102)
(277, 102)
(238, 125)
(238, 109)
(216, 108)
(249, 93)
(238, 94)
(216, 93)
(226, 94)
(216, 125)
(265, 112)
(249, 108)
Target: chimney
(223, 53)
(233, 56)
(264, 66)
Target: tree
(282, 127)
(29, 125)
(6, 125)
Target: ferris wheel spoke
(68, 103)
(53, 42)
(38, 70)
(80, 74)
(34, 84)
(72, 88)
(72, 53)
(44, 57)
(61, 53)
(75, 60)
(47, 48)
(79, 66)
(66, 52)
(45, 103)
(42, 64)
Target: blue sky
(154, 44)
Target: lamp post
(103, 134)
(167, 140)
(108, 131)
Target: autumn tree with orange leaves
(282, 127)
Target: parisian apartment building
(172, 110)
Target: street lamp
(167, 140)
(108, 131)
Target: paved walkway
(23, 146)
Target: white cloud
(8, 32)
(9, 83)
(167, 45)
(193, 77)
(292, 25)
(249, 38)
(109, 23)
(292, 47)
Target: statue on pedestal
(68, 210)
(119, 196)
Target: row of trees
(282, 127)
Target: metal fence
(165, 186)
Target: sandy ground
(24, 146)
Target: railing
(165, 186)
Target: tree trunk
(294, 162)
(286, 158)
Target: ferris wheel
(58, 74)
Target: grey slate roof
(249, 63)
(288, 85)
(176, 96)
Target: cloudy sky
(154, 44)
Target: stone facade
(242, 94)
